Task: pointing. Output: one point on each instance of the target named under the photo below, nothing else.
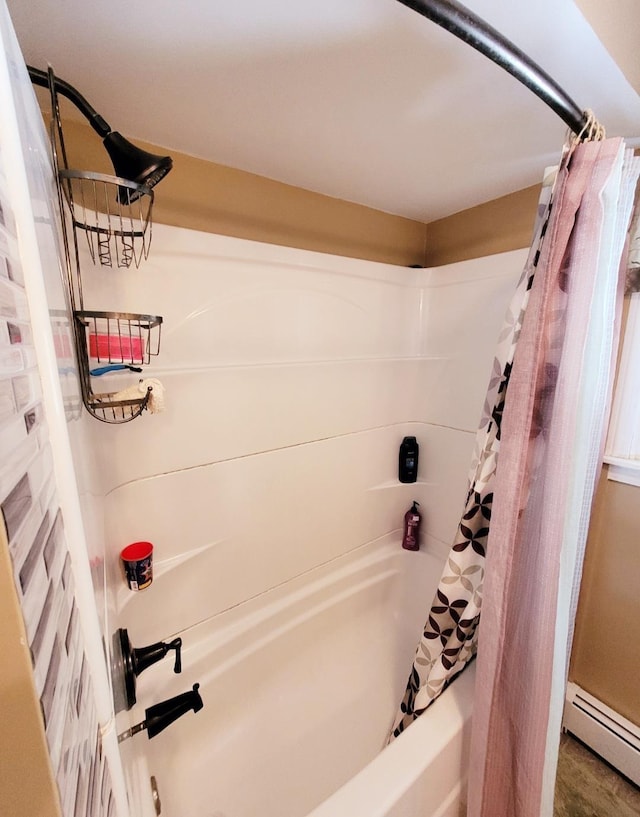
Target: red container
(137, 560)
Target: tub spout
(159, 716)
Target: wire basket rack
(112, 338)
(113, 213)
(115, 216)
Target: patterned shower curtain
(546, 411)
(449, 640)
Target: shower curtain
(450, 635)
(531, 513)
(553, 433)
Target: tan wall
(205, 196)
(606, 652)
(606, 660)
(27, 787)
(201, 195)
(496, 226)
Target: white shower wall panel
(276, 362)
(445, 456)
(291, 379)
(467, 301)
(220, 413)
(229, 302)
(463, 312)
(229, 531)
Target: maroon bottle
(411, 535)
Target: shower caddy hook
(115, 216)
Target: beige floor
(588, 787)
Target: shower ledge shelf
(393, 483)
(163, 566)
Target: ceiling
(363, 100)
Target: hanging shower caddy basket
(115, 216)
(116, 339)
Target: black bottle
(408, 460)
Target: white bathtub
(300, 687)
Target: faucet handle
(176, 645)
(127, 663)
(144, 657)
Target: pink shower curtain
(538, 455)
(552, 432)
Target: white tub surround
(291, 378)
(269, 489)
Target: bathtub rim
(384, 781)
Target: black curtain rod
(474, 31)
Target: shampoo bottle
(408, 460)
(412, 519)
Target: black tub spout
(158, 717)
(161, 715)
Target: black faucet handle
(143, 657)
(176, 645)
(127, 663)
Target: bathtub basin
(300, 687)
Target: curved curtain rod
(473, 30)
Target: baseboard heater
(603, 730)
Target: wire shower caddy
(114, 214)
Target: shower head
(136, 165)
(129, 162)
